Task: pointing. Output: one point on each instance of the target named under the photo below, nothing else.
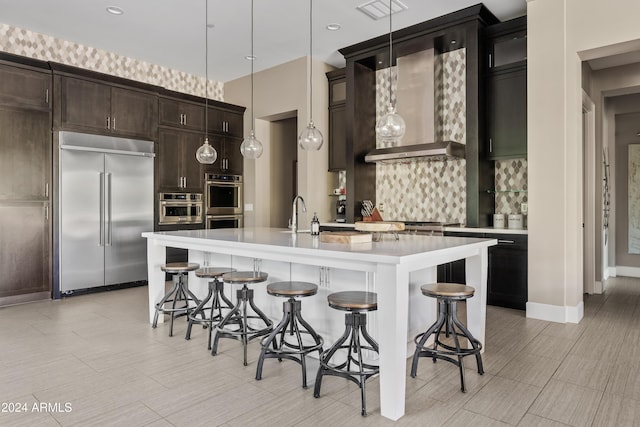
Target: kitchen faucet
(294, 213)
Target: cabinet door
(191, 168)
(169, 160)
(169, 113)
(84, 105)
(25, 162)
(193, 116)
(20, 87)
(234, 123)
(337, 138)
(179, 114)
(507, 273)
(25, 244)
(233, 156)
(133, 113)
(508, 114)
(227, 122)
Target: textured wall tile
(38, 46)
(511, 185)
(424, 190)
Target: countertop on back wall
(451, 229)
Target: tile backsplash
(511, 185)
(424, 190)
(47, 48)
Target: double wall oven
(223, 201)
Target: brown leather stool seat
(447, 294)
(216, 296)
(291, 325)
(177, 301)
(356, 304)
(235, 324)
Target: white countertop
(487, 230)
(388, 250)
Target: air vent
(378, 9)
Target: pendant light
(251, 147)
(310, 138)
(390, 127)
(206, 154)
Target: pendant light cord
(390, 56)
(253, 58)
(310, 61)
(206, 68)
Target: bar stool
(239, 316)
(447, 294)
(217, 297)
(356, 304)
(179, 293)
(292, 324)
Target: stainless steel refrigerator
(105, 203)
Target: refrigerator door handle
(108, 224)
(101, 220)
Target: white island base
(394, 269)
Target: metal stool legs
(179, 293)
(355, 326)
(447, 317)
(239, 316)
(218, 303)
(283, 349)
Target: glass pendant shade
(206, 154)
(251, 147)
(391, 127)
(310, 138)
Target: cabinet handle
(490, 59)
(108, 122)
(185, 120)
(226, 126)
(490, 145)
(46, 190)
(185, 182)
(46, 96)
(46, 211)
(113, 123)
(508, 242)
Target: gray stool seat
(447, 294)
(292, 326)
(177, 301)
(235, 324)
(354, 340)
(216, 296)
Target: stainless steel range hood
(416, 104)
(431, 151)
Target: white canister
(515, 221)
(498, 220)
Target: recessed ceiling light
(115, 10)
(334, 27)
(250, 58)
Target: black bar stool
(235, 324)
(356, 303)
(179, 296)
(217, 297)
(447, 294)
(290, 325)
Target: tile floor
(94, 360)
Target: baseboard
(555, 313)
(24, 298)
(612, 271)
(627, 271)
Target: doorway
(283, 166)
(588, 196)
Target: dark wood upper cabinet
(337, 120)
(506, 90)
(181, 114)
(225, 122)
(133, 112)
(21, 87)
(230, 160)
(176, 164)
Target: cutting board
(344, 237)
(379, 226)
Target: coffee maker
(341, 209)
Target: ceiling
(171, 33)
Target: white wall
(278, 92)
(560, 34)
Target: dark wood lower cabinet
(25, 242)
(506, 272)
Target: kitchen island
(394, 269)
